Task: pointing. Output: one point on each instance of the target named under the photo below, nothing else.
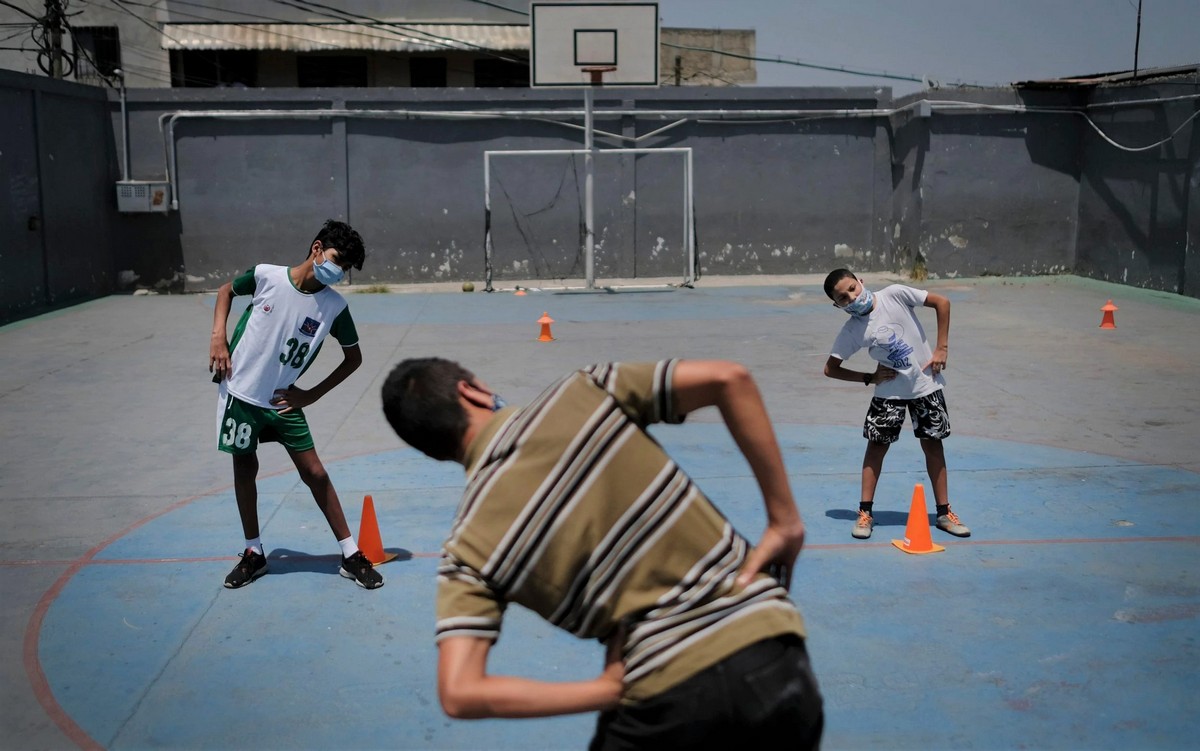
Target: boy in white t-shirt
(907, 377)
(274, 342)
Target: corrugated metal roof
(1124, 76)
(298, 37)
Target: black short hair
(834, 277)
(349, 244)
(420, 402)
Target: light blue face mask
(498, 403)
(328, 273)
(862, 303)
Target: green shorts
(241, 426)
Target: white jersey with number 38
(279, 335)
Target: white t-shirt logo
(897, 349)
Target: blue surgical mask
(328, 273)
(498, 403)
(862, 303)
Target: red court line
(1052, 541)
(205, 559)
(33, 666)
(78, 564)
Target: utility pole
(1137, 40)
(54, 25)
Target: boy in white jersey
(275, 341)
(907, 376)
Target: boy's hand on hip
(938, 362)
(292, 398)
(775, 553)
(883, 374)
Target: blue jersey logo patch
(309, 327)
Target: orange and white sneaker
(949, 522)
(864, 525)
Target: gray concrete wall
(947, 192)
(780, 197)
(1140, 211)
(57, 209)
(990, 191)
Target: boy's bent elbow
(458, 707)
(454, 710)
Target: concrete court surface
(1068, 620)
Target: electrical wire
(22, 11)
(259, 27)
(779, 60)
(501, 7)
(837, 69)
(275, 20)
(434, 40)
(1018, 108)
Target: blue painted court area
(1067, 620)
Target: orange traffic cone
(916, 532)
(1107, 321)
(520, 292)
(369, 541)
(545, 320)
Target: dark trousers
(764, 696)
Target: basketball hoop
(597, 73)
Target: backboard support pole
(589, 173)
(589, 218)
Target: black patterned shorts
(930, 418)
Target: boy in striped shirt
(572, 510)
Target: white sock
(255, 545)
(349, 547)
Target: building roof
(1124, 76)
(303, 37)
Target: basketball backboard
(571, 41)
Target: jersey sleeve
(466, 606)
(642, 389)
(244, 284)
(848, 341)
(910, 296)
(343, 329)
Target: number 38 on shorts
(241, 427)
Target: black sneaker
(252, 566)
(358, 568)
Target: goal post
(587, 249)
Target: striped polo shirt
(572, 510)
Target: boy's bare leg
(871, 468)
(245, 489)
(935, 464)
(313, 473)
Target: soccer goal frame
(689, 234)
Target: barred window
(97, 53)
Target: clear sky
(989, 42)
